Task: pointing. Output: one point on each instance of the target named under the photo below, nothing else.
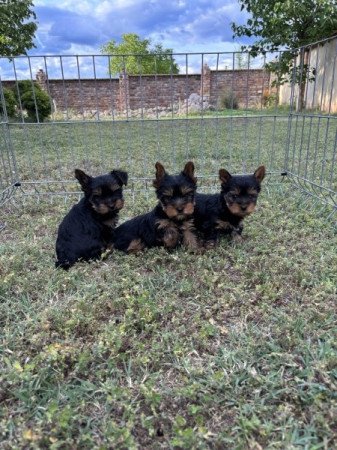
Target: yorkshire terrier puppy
(86, 231)
(223, 213)
(170, 223)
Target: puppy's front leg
(189, 238)
(237, 233)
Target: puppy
(224, 213)
(86, 231)
(170, 223)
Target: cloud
(60, 29)
(66, 27)
(92, 23)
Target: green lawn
(233, 348)
(51, 151)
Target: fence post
(205, 88)
(124, 93)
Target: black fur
(170, 223)
(223, 213)
(87, 230)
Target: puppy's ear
(82, 178)
(189, 171)
(121, 176)
(224, 176)
(160, 174)
(260, 173)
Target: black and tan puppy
(223, 213)
(86, 231)
(170, 223)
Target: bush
(38, 108)
(25, 86)
(228, 100)
(269, 100)
(10, 103)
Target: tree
(134, 56)
(17, 30)
(10, 102)
(288, 25)
(37, 104)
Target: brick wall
(101, 94)
(160, 91)
(247, 85)
(150, 91)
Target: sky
(79, 27)
(83, 26)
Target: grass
(306, 146)
(234, 348)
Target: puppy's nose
(243, 207)
(180, 208)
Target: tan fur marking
(187, 225)
(250, 208)
(252, 191)
(235, 209)
(186, 190)
(168, 192)
(171, 233)
(170, 211)
(114, 187)
(135, 246)
(163, 223)
(189, 208)
(171, 238)
(119, 203)
(101, 208)
(189, 238)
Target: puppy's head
(105, 192)
(176, 192)
(240, 192)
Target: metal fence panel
(221, 110)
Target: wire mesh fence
(217, 109)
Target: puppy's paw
(237, 238)
(210, 244)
